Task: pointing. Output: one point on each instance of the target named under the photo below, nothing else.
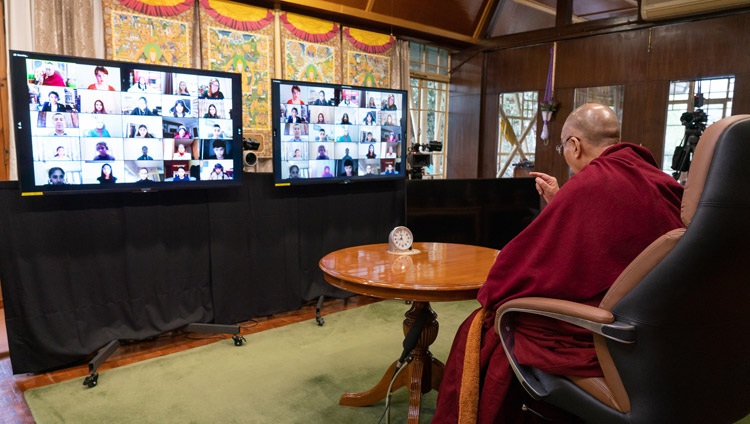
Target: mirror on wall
(517, 124)
(692, 106)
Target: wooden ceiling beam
(488, 13)
(345, 14)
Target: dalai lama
(615, 205)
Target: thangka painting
(368, 58)
(309, 62)
(239, 38)
(250, 55)
(368, 70)
(133, 37)
(310, 49)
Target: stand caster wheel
(91, 380)
(320, 321)
(238, 340)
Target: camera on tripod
(694, 123)
(694, 120)
(419, 160)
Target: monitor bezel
(24, 139)
(279, 161)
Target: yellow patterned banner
(310, 62)
(134, 37)
(249, 53)
(310, 49)
(368, 69)
(369, 58)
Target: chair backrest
(686, 296)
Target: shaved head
(596, 122)
(588, 131)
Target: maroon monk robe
(594, 227)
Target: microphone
(412, 337)
(410, 342)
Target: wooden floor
(13, 408)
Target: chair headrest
(702, 157)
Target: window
(429, 86)
(429, 60)
(687, 104)
(517, 122)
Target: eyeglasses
(560, 147)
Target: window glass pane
(517, 123)
(443, 70)
(430, 126)
(429, 105)
(431, 55)
(415, 52)
(415, 56)
(686, 115)
(431, 96)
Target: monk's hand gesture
(546, 185)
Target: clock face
(401, 238)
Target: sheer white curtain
(68, 27)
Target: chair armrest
(597, 320)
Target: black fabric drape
(79, 271)
(353, 215)
(266, 243)
(254, 252)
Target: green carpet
(292, 374)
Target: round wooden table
(435, 272)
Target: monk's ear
(577, 147)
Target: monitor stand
(104, 353)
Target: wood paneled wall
(644, 60)
(4, 109)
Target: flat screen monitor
(93, 125)
(330, 133)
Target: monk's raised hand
(546, 185)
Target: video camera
(694, 123)
(694, 120)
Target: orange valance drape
(237, 16)
(309, 29)
(159, 7)
(369, 42)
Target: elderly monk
(615, 205)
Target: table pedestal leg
(422, 374)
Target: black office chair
(672, 334)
